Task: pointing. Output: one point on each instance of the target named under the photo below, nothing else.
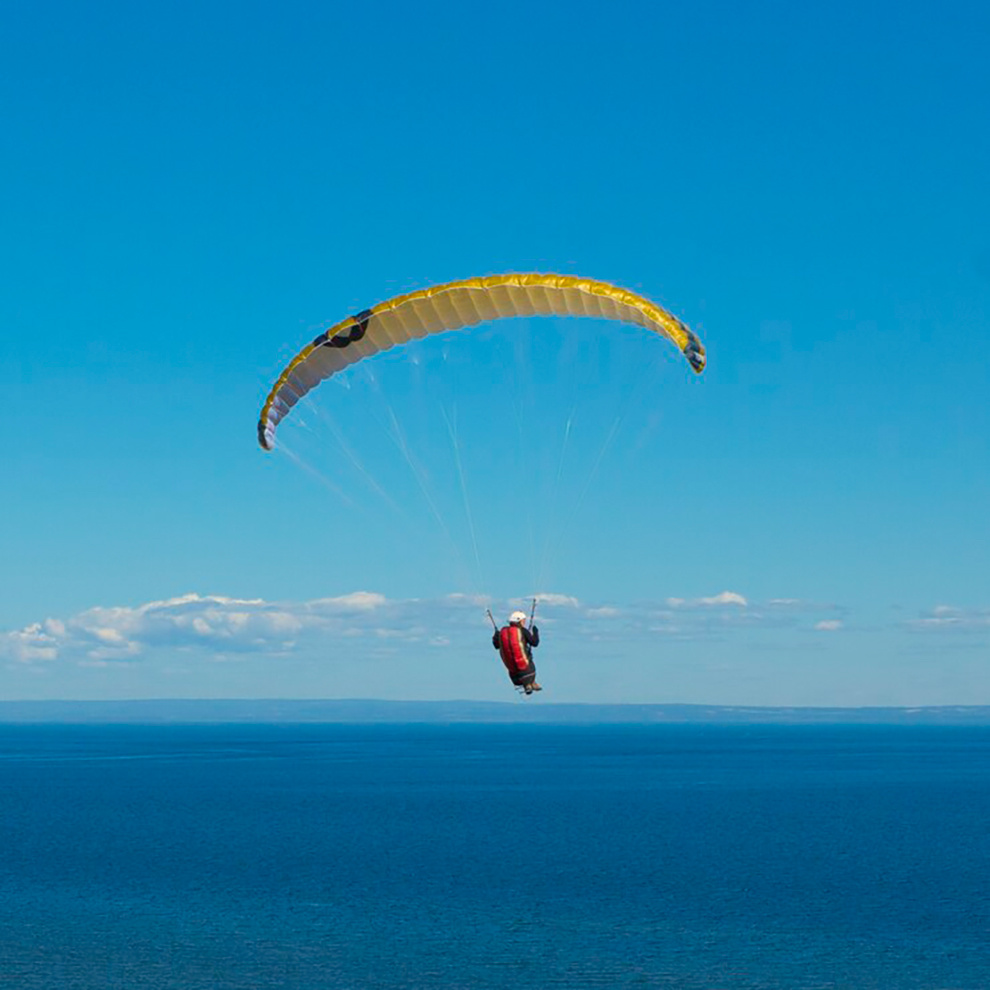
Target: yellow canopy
(456, 305)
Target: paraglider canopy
(454, 306)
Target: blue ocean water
(523, 856)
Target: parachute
(454, 306)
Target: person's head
(517, 618)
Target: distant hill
(535, 711)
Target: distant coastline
(446, 712)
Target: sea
(311, 856)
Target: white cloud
(212, 622)
(549, 598)
(478, 601)
(54, 627)
(828, 625)
(359, 601)
(217, 627)
(112, 637)
(799, 605)
(715, 601)
(950, 618)
(33, 643)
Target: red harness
(512, 648)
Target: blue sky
(191, 192)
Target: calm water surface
(304, 856)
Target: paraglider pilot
(515, 643)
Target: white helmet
(517, 617)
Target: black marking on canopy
(353, 333)
(693, 351)
(321, 340)
(261, 434)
